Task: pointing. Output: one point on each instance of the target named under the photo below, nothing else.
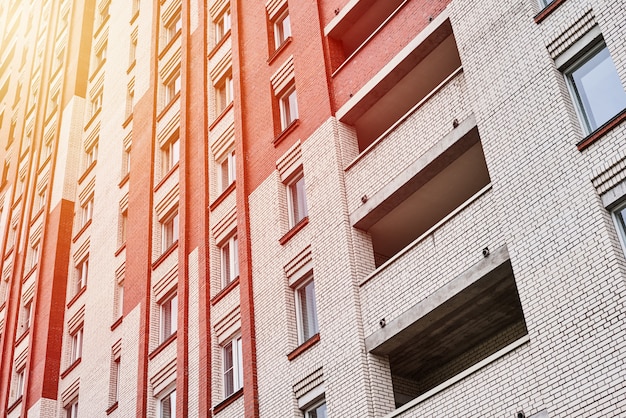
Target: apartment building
(331, 208)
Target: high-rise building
(330, 208)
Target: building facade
(331, 208)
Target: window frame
(224, 93)
(172, 87)
(227, 171)
(172, 27)
(306, 318)
(86, 211)
(76, 345)
(308, 412)
(232, 350)
(71, 409)
(296, 201)
(170, 154)
(281, 32)
(580, 59)
(168, 317)
(171, 397)
(288, 107)
(170, 230)
(20, 382)
(229, 260)
(82, 274)
(222, 25)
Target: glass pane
(226, 264)
(599, 89)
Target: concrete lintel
(375, 342)
(405, 183)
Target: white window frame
(224, 93)
(96, 102)
(91, 155)
(27, 315)
(20, 380)
(229, 260)
(34, 255)
(310, 411)
(168, 317)
(170, 154)
(288, 106)
(296, 200)
(76, 345)
(71, 410)
(282, 28)
(171, 397)
(232, 351)
(227, 171)
(222, 25)
(172, 27)
(306, 316)
(172, 87)
(86, 211)
(620, 223)
(82, 273)
(170, 230)
(116, 365)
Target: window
(288, 105)
(118, 310)
(170, 154)
(114, 390)
(132, 53)
(86, 211)
(26, 316)
(296, 201)
(41, 197)
(306, 311)
(19, 383)
(172, 28)
(223, 93)
(103, 13)
(76, 348)
(167, 405)
(595, 87)
(168, 317)
(317, 411)
(34, 256)
(169, 231)
(125, 161)
(222, 25)
(282, 29)
(123, 226)
(227, 171)
(91, 155)
(172, 87)
(100, 55)
(233, 366)
(96, 103)
(136, 6)
(71, 410)
(81, 273)
(229, 253)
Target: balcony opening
(358, 25)
(411, 82)
(413, 208)
(475, 319)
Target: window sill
(43, 164)
(602, 130)
(222, 293)
(124, 180)
(117, 323)
(30, 273)
(168, 106)
(93, 117)
(163, 256)
(219, 44)
(102, 23)
(304, 347)
(169, 44)
(37, 215)
(97, 70)
(162, 346)
(167, 175)
(547, 11)
(14, 404)
(81, 231)
(127, 121)
(278, 50)
(22, 336)
(228, 401)
(293, 231)
(112, 408)
(131, 66)
(69, 369)
(87, 171)
(119, 250)
(285, 133)
(76, 296)
(221, 116)
(222, 196)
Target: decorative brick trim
(602, 130)
(72, 367)
(222, 196)
(221, 115)
(167, 47)
(304, 346)
(285, 133)
(548, 10)
(117, 323)
(293, 231)
(228, 401)
(77, 296)
(112, 408)
(162, 346)
(222, 293)
(278, 50)
(168, 106)
(219, 45)
(163, 256)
